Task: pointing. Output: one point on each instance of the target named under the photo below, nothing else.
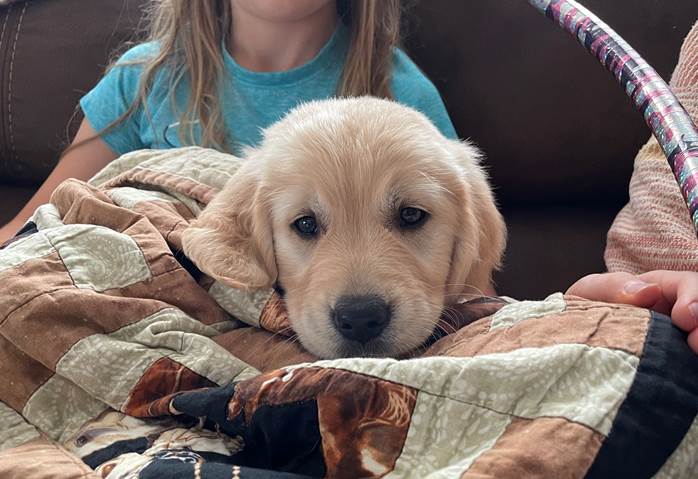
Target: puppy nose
(361, 318)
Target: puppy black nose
(361, 318)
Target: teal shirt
(250, 101)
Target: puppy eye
(412, 217)
(305, 226)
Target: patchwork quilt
(119, 359)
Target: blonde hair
(191, 34)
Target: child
(215, 73)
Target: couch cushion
(51, 53)
(550, 248)
(554, 125)
(12, 199)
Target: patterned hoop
(668, 120)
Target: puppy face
(368, 218)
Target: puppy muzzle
(361, 318)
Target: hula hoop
(663, 113)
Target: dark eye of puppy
(411, 217)
(305, 226)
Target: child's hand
(673, 293)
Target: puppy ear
(480, 245)
(231, 240)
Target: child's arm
(81, 163)
(668, 292)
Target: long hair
(190, 35)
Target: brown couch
(51, 53)
(560, 136)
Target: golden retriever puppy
(364, 215)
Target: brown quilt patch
(176, 288)
(274, 316)
(583, 322)
(453, 341)
(538, 448)
(620, 326)
(263, 350)
(75, 200)
(363, 420)
(151, 396)
(455, 318)
(29, 280)
(170, 219)
(43, 459)
(21, 375)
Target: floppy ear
(231, 240)
(480, 243)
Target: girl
(216, 72)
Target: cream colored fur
(353, 163)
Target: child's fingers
(693, 340)
(619, 288)
(679, 289)
(685, 312)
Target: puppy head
(365, 214)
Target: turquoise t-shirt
(250, 101)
